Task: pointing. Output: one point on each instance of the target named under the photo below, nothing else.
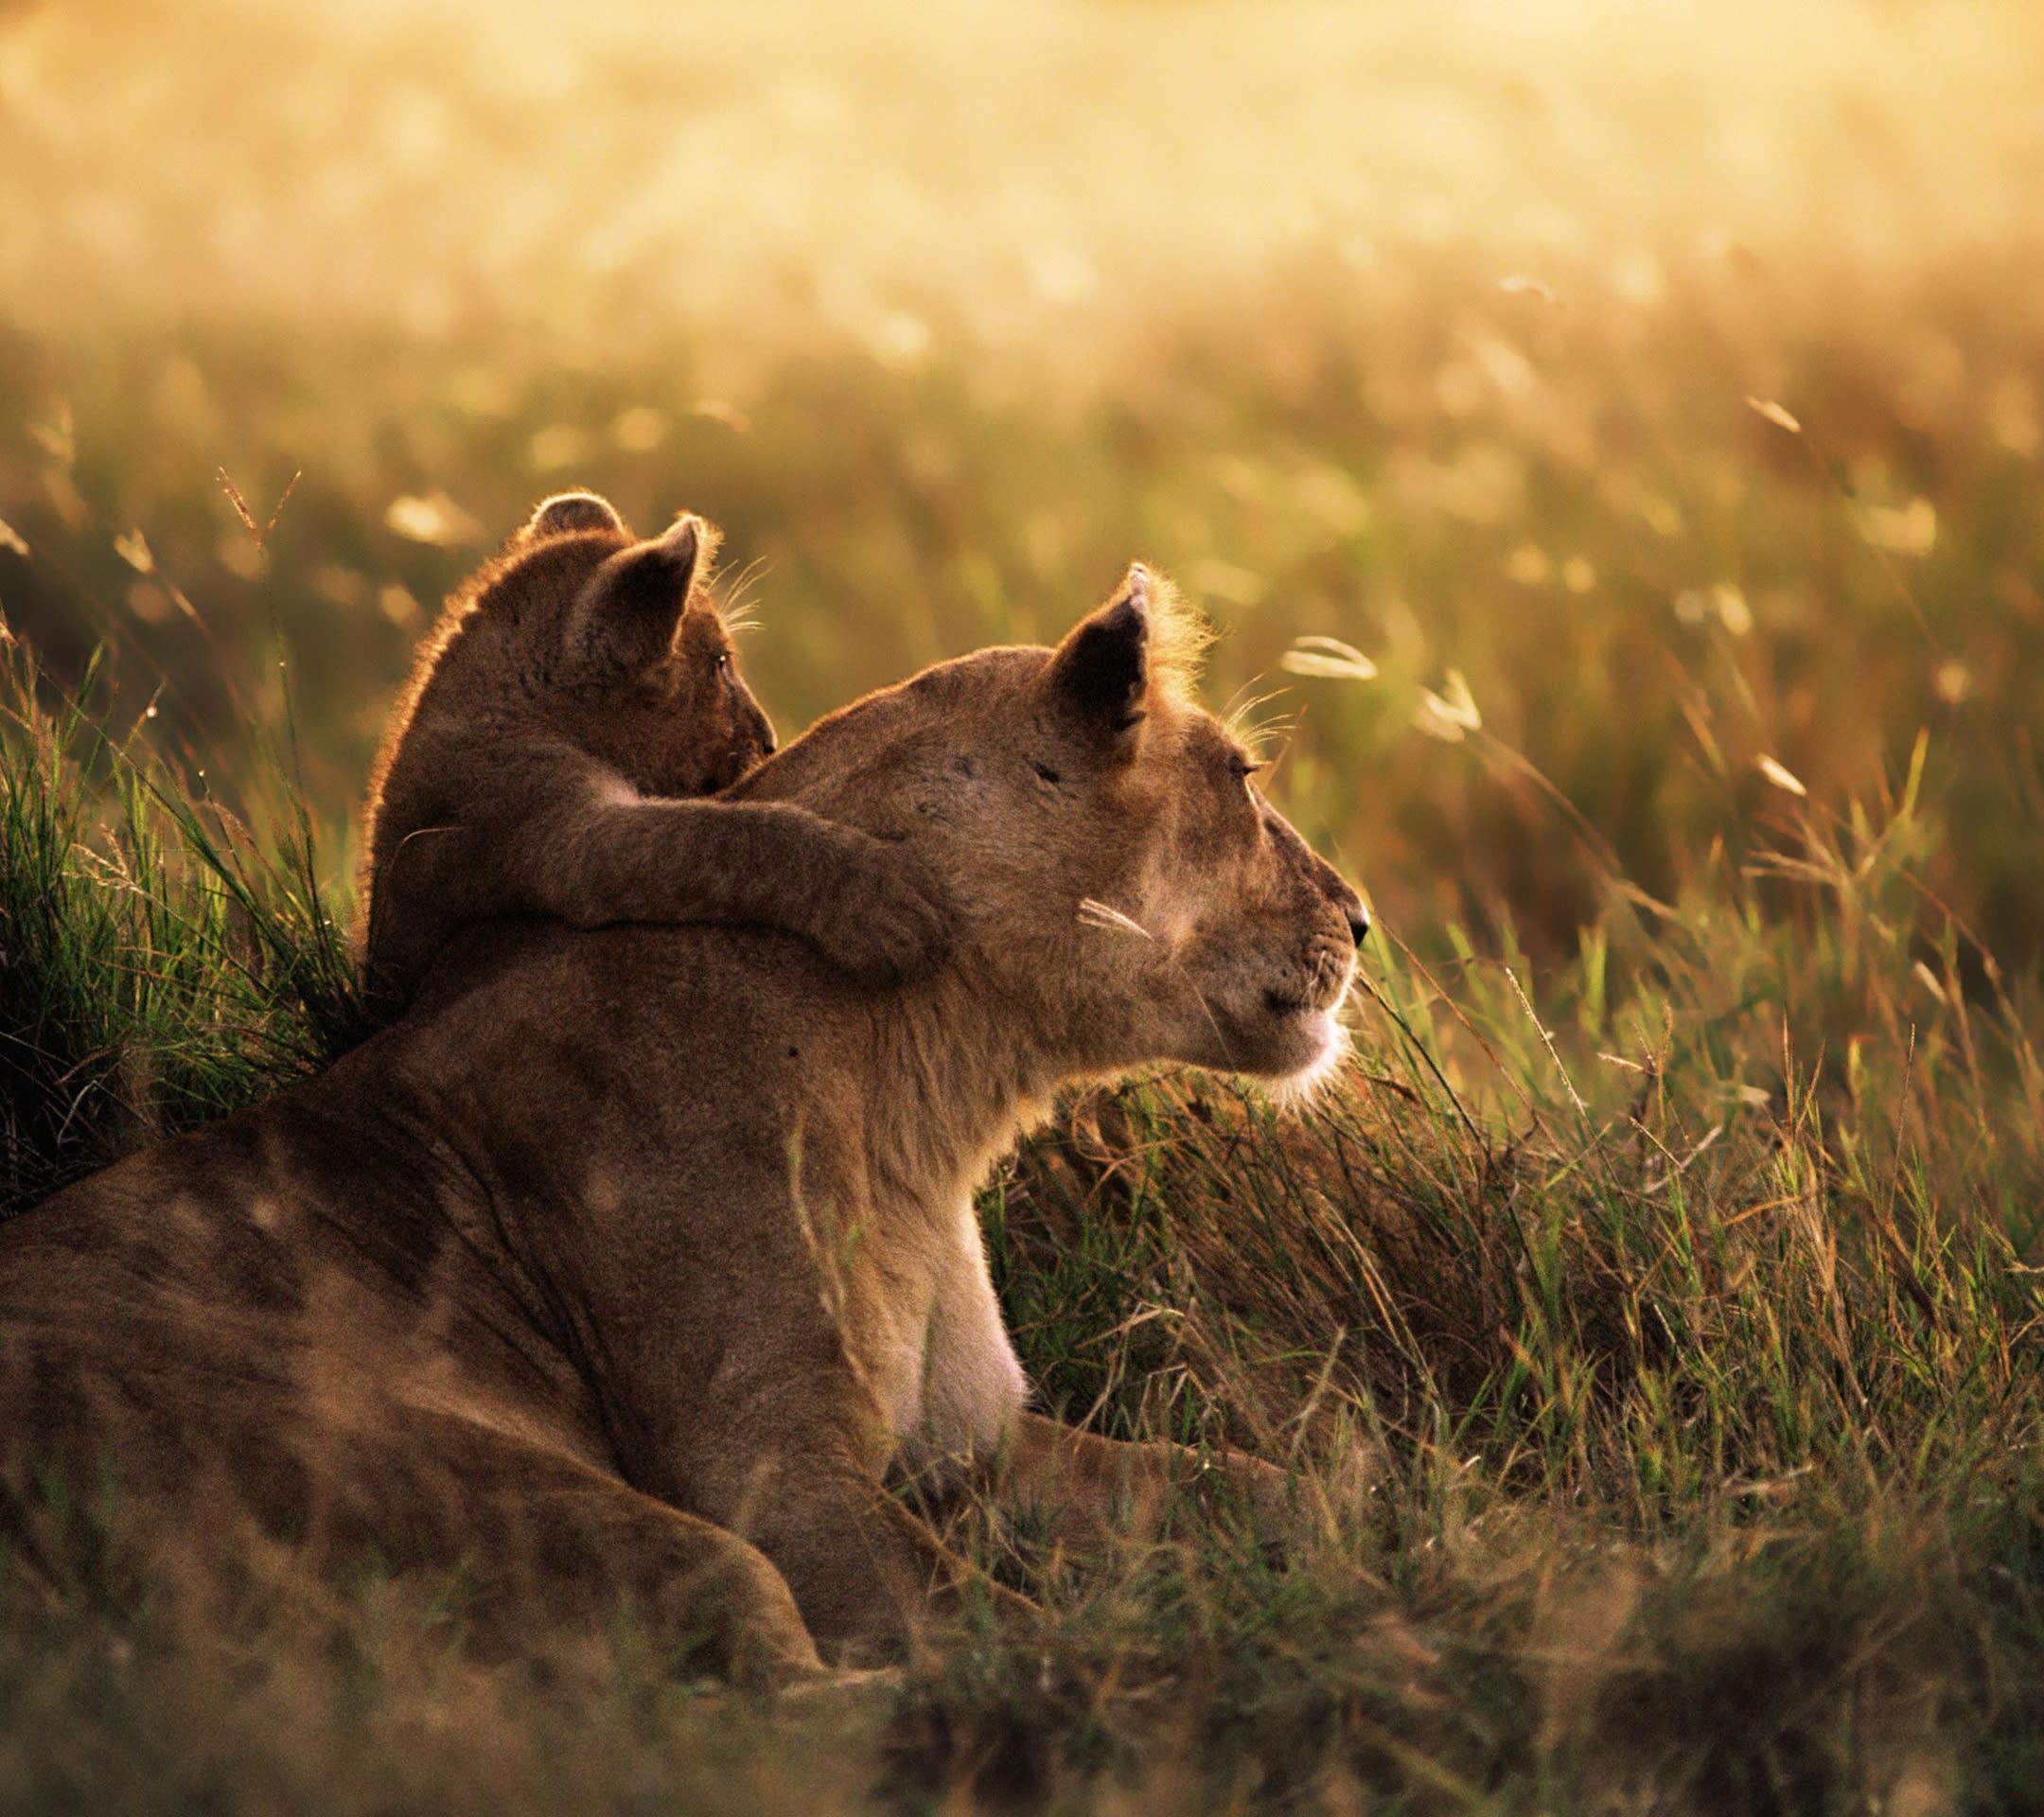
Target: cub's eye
(1242, 769)
(1046, 773)
(723, 661)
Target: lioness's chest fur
(745, 1216)
(933, 1347)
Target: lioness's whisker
(1101, 915)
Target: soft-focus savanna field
(1607, 440)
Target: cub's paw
(880, 918)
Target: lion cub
(576, 691)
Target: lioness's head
(1119, 879)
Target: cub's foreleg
(860, 901)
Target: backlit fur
(640, 1261)
(578, 695)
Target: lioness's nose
(1355, 912)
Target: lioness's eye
(723, 660)
(1242, 769)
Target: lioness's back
(208, 1304)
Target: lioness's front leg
(866, 1572)
(1084, 1487)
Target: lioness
(574, 693)
(634, 1260)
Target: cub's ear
(1099, 678)
(569, 511)
(623, 621)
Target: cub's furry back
(577, 698)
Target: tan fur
(640, 1261)
(574, 694)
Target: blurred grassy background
(1428, 329)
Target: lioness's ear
(1099, 677)
(568, 511)
(625, 619)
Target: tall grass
(1659, 1371)
(1669, 1388)
(157, 966)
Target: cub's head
(1122, 885)
(629, 647)
(579, 638)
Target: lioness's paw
(881, 918)
(1294, 1512)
